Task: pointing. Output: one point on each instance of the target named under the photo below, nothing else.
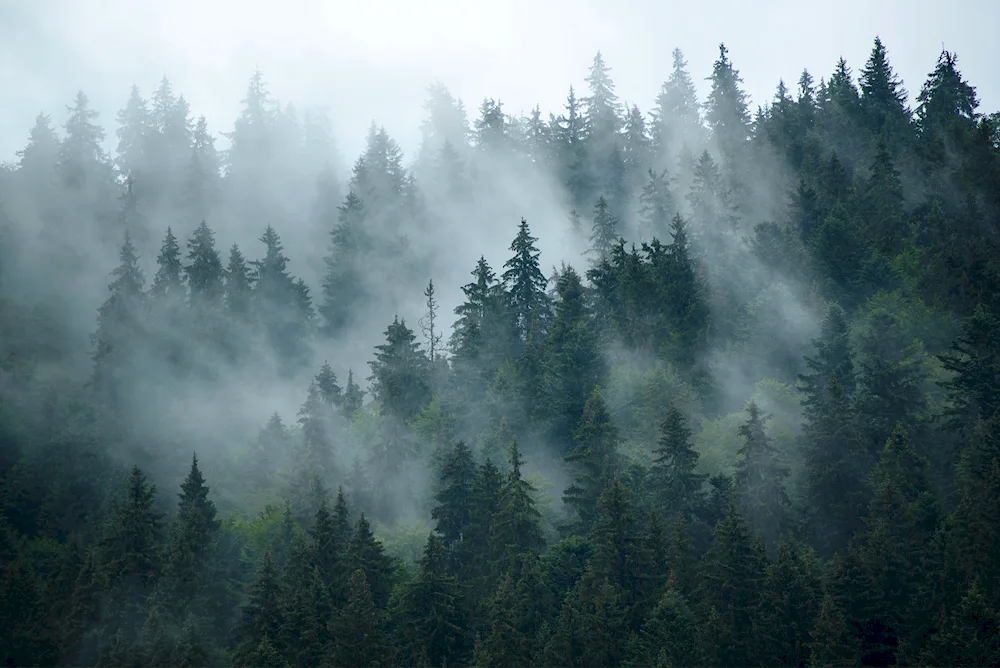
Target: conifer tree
(656, 205)
(205, 272)
(883, 98)
(343, 286)
(237, 287)
(133, 134)
(677, 114)
(454, 510)
(596, 459)
(400, 375)
(726, 108)
(357, 629)
(524, 281)
(118, 325)
(677, 486)
(191, 536)
(604, 233)
(169, 278)
(262, 617)
(517, 525)
(366, 553)
(353, 396)
(82, 162)
(430, 619)
(760, 478)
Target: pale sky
(372, 59)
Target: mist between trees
(698, 386)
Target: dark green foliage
(524, 281)
(759, 482)
(400, 373)
(358, 638)
(857, 525)
(677, 486)
(430, 622)
(595, 458)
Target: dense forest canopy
(702, 384)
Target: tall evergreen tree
(760, 478)
(595, 457)
(677, 485)
(524, 281)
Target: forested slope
(720, 386)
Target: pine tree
(366, 553)
(202, 181)
(656, 206)
(596, 459)
(358, 638)
(503, 644)
(191, 537)
(974, 358)
(133, 134)
(833, 359)
(677, 114)
(37, 161)
(602, 114)
(118, 325)
(883, 98)
(353, 396)
(454, 510)
(759, 478)
(524, 281)
(169, 278)
(82, 161)
(237, 288)
(604, 234)
(677, 486)
(726, 108)
(836, 470)
(428, 322)
(262, 618)
(204, 271)
(517, 525)
(430, 620)
(882, 203)
(400, 375)
(668, 635)
(344, 288)
(731, 575)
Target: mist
(379, 265)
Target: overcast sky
(372, 59)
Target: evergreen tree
(677, 486)
(82, 162)
(677, 114)
(517, 525)
(262, 618)
(656, 205)
(454, 510)
(205, 272)
(169, 278)
(400, 378)
(191, 537)
(524, 281)
(343, 284)
(605, 230)
(356, 629)
(118, 321)
(596, 459)
(759, 478)
(883, 98)
(430, 620)
(133, 134)
(237, 286)
(353, 396)
(726, 108)
(364, 552)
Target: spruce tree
(517, 525)
(357, 628)
(760, 478)
(596, 460)
(677, 114)
(366, 553)
(169, 278)
(400, 374)
(726, 108)
(454, 502)
(204, 271)
(676, 484)
(524, 282)
(604, 233)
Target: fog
(370, 66)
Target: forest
(701, 385)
